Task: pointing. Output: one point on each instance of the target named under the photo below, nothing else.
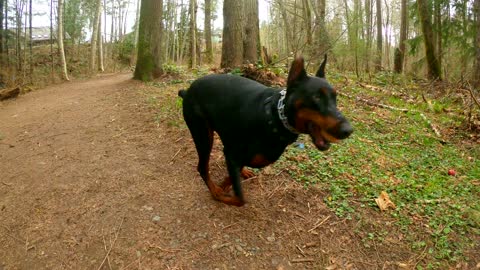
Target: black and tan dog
(256, 123)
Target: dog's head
(312, 104)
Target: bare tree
(232, 46)
(193, 33)
(60, 40)
(378, 58)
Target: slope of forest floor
(101, 174)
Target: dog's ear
(321, 69)
(297, 71)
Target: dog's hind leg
(202, 136)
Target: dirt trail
(89, 181)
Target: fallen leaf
(383, 201)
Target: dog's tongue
(317, 137)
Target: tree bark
(100, 44)
(369, 32)
(378, 58)
(425, 15)
(30, 14)
(476, 10)
(307, 14)
(251, 40)
(2, 3)
(133, 59)
(400, 54)
(232, 47)
(438, 30)
(193, 33)
(208, 31)
(95, 30)
(60, 40)
(149, 58)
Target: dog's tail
(182, 93)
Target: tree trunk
(369, 32)
(193, 33)
(232, 47)
(60, 40)
(30, 14)
(149, 58)
(133, 58)
(400, 54)
(378, 59)
(2, 3)
(100, 44)
(307, 13)
(208, 31)
(286, 27)
(251, 40)
(321, 35)
(476, 8)
(425, 15)
(52, 70)
(95, 30)
(438, 30)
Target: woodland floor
(90, 179)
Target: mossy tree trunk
(425, 14)
(149, 56)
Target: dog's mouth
(320, 137)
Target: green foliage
(76, 17)
(126, 48)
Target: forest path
(88, 180)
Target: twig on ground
(302, 260)
(319, 224)
(105, 248)
(301, 251)
(174, 156)
(113, 243)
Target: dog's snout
(345, 130)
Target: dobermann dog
(256, 123)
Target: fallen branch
(9, 93)
(371, 103)
(429, 123)
(473, 95)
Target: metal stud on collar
(281, 112)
